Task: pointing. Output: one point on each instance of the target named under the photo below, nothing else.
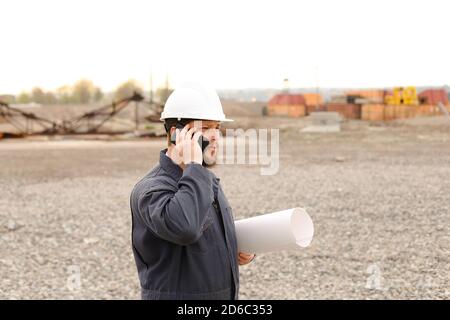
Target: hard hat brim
(220, 120)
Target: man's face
(210, 130)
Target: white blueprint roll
(281, 230)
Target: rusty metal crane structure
(89, 122)
(23, 121)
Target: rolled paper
(281, 230)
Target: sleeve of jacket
(179, 216)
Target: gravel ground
(379, 197)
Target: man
(183, 234)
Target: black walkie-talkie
(202, 141)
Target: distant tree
(49, 98)
(38, 95)
(83, 91)
(23, 97)
(98, 94)
(127, 89)
(64, 94)
(163, 93)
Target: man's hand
(187, 145)
(245, 258)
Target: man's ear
(172, 130)
(169, 138)
(169, 135)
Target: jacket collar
(169, 166)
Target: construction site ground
(379, 195)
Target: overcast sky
(229, 44)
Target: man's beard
(209, 160)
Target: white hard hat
(194, 101)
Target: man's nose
(214, 135)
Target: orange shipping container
(392, 112)
(277, 110)
(285, 104)
(401, 111)
(369, 94)
(348, 111)
(434, 96)
(430, 110)
(287, 99)
(296, 111)
(411, 112)
(372, 112)
(313, 99)
(389, 113)
(286, 110)
(320, 108)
